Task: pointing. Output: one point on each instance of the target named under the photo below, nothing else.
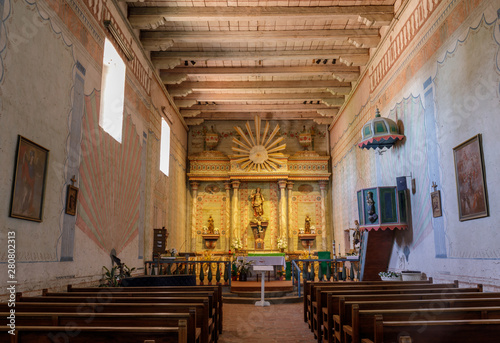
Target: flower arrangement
(281, 243)
(236, 244)
(173, 252)
(243, 266)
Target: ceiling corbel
(167, 63)
(173, 79)
(334, 102)
(328, 112)
(194, 121)
(185, 103)
(190, 113)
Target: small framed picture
(436, 204)
(71, 200)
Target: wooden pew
(110, 320)
(333, 301)
(363, 321)
(436, 331)
(423, 303)
(107, 293)
(318, 301)
(216, 288)
(316, 289)
(308, 285)
(202, 319)
(96, 334)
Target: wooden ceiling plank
(211, 97)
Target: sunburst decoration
(258, 152)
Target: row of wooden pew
(400, 311)
(190, 314)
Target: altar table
(265, 260)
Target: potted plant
(243, 268)
(114, 276)
(281, 243)
(390, 276)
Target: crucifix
(434, 185)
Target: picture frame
(471, 179)
(436, 204)
(30, 174)
(71, 200)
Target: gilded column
(235, 232)
(289, 186)
(322, 187)
(194, 188)
(282, 207)
(227, 186)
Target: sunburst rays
(258, 152)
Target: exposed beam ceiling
(222, 61)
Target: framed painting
(71, 200)
(30, 173)
(471, 181)
(436, 204)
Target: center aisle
(277, 323)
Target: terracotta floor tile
(277, 323)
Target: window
(164, 147)
(112, 92)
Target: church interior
(162, 138)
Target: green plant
(114, 276)
(389, 274)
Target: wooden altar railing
(202, 269)
(323, 270)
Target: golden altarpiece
(258, 196)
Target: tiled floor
(277, 323)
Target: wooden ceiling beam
(264, 115)
(153, 17)
(299, 107)
(338, 71)
(358, 56)
(214, 97)
(162, 40)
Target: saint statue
(307, 227)
(372, 215)
(210, 225)
(257, 203)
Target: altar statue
(210, 225)
(307, 227)
(257, 203)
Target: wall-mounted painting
(436, 204)
(30, 172)
(471, 180)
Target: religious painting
(471, 182)
(30, 173)
(71, 200)
(436, 204)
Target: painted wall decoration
(30, 172)
(109, 182)
(471, 183)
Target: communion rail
(220, 269)
(323, 270)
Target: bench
(316, 289)
(215, 288)
(438, 303)
(315, 309)
(363, 321)
(90, 308)
(436, 331)
(110, 320)
(106, 293)
(309, 284)
(95, 334)
(329, 316)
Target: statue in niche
(210, 225)
(372, 215)
(307, 226)
(257, 203)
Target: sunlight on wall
(165, 147)
(113, 92)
